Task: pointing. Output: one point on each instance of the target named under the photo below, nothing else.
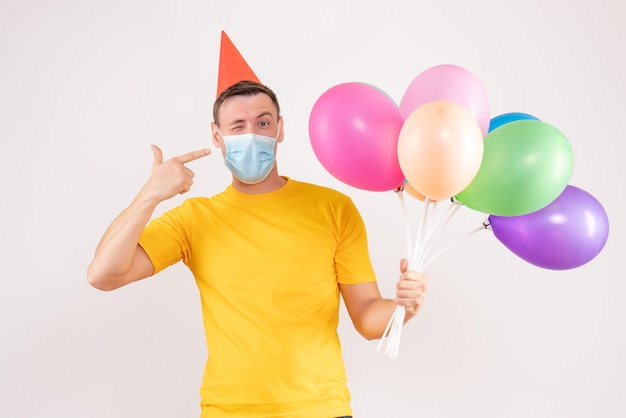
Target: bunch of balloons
(441, 143)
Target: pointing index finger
(193, 155)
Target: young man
(270, 256)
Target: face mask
(250, 157)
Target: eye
(264, 124)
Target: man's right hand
(171, 177)
(119, 259)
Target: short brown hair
(243, 88)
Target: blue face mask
(250, 157)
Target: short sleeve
(165, 239)
(352, 260)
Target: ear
(215, 135)
(281, 127)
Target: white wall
(86, 87)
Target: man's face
(245, 114)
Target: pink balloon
(452, 83)
(353, 128)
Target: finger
(193, 155)
(410, 293)
(411, 285)
(158, 155)
(407, 302)
(412, 308)
(185, 187)
(188, 172)
(404, 265)
(413, 282)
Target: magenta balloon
(568, 233)
(353, 129)
(451, 83)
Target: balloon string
(393, 330)
(427, 236)
(407, 226)
(433, 237)
(387, 328)
(480, 228)
(420, 234)
(394, 347)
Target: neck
(271, 183)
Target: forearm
(118, 259)
(370, 313)
(376, 316)
(114, 255)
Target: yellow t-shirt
(268, 267)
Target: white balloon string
(387, 329)
(394, 347)
(444, 249)
(418, 252)
(434, 233)
(407, 226)
(420, 233)
(393, 331)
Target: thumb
(404, 265)
(158, 155)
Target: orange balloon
(440, 149)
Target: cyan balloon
(504, 118)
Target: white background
(87, 86)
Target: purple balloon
(568, 233)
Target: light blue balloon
(500, 120)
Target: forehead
(246, 107)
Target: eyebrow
(259, 116)
(266, 113)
